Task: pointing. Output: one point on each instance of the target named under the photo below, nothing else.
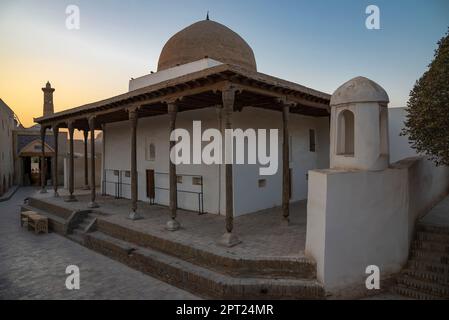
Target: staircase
(426, 276)
(82, 226)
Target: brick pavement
(33, 267)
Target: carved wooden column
(133, 117)
(55, 129)
(92, 204)
(71, 197)
(86, 161)
(43, 162)
(229, 239)
(285, 166)
(172, 224)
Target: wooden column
(55, 129)
(43, 162)
(172, 224)
(71, 197)
(133, 117)
(285, 166)
(86, 161)
(229, 239)
(103, 160)
(92, 204)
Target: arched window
(345, 133)
(383, 131)
(151, 152)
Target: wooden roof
(199, 90)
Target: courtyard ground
(33, 267)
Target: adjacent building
(7, 125)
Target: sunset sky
(320, 44)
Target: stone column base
(285, 222)
(229, 240)
(93, 205)
(85, 188)
(134, 215)
(71, 198)
(56, 194)
(43, 190)
(172, 225)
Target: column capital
(172, 100)
(55, 127)
(70, 125)
(133, 108)
(85, 133)
(91, 122)
(286, 102)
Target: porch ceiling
(195, 91)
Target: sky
(320, 44)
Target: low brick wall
(220, 287)
(298, 268)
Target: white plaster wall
(248, 197)
(356, 219)
(399, 145)
(172, 73)
(360, 218)
(155, 130)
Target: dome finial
(207, 16)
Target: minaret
(48, 100)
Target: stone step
(298, 267)
(78, 232)
(83, 225)
(433, 228)
(430, 256)
(427, 276)
(76, 238)
(55, 223)
(199, 280)
(425, 265)
(427, 287)
(433, 237)
(414, 294)
(429, 246)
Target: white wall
(155, 130)
(172, 73)
(361, 218)
(399, 145)
(248, 197)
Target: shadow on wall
(79, 171)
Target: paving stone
(33, 267)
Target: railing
(119, 183)
(107, 182)
(199, 193)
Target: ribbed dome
(206, 39)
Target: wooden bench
(24, 217)
(34, 221)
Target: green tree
(427, 123)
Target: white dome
(359, 89)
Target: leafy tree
(427, 123)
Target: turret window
(345, 134)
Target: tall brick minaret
(49, 109)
